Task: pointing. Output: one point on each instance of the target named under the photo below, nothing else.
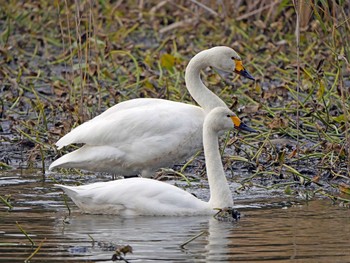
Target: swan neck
(220, 194)
(199, 92)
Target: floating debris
(228, 214)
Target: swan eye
(228, 116)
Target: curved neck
(199, 92)
(220, 194)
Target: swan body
(146, 145)
(140, 136)
(135, 196)
(144, 196)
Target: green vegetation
(64, 62)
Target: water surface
(272, 229)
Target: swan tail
(92, 158)
(72, 136)
(66, 161)
(69, 190)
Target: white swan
(143, 135)
(143, 196)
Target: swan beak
(245, 127)
(239, 69)
(239, 125)
(245, 73)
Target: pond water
(271, 229)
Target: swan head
(226, 59)
(222, 119)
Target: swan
(145, 196)
(139, 136)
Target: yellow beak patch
(239, 65)
(236, 121)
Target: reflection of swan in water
(149, 237)
(142, 196)
(316, 232)
(218, 247)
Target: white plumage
(143, 196)
(143, 135)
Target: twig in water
(92, 239)
(193, 238)
(25, 233)
(6, 202)
(66, 203)
(35, 251)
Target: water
(270, 230)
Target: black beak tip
(245, 127)
(246, 74)
(250, 77)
